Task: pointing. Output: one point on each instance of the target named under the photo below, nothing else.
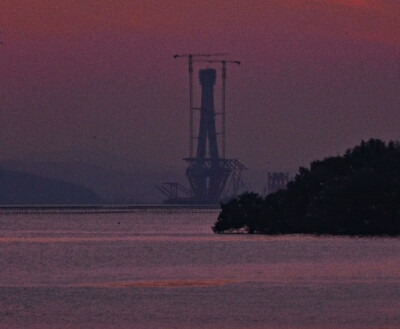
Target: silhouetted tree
(354, 194)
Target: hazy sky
(317, 76)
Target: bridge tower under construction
(212, 178)
(207, 173)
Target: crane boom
(200, 55)
(217, 61)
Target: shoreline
(101, 208)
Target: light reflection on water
(168, 270)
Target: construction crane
(190, 61)
(223, 62)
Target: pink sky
(364, 19)
(317, 76)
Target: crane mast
(223, 97)
(190, 58)
(211, 176)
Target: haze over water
(159, 268)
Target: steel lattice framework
(212, 178)
(207, 173)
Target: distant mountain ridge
(20, 188)
(113, 185)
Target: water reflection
(168, 270)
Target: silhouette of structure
(191, 58)
(207, 172)
(172, 190)
(212, 178)
(277, 181)
(223, 93)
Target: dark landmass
(18, 188)
(354, 194)
(114, 185)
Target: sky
(98, 76)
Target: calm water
(166, 269)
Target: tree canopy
(354, 194)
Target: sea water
(165, 268)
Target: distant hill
(22, 188)
(113, 185)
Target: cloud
(66, 17)
(348, 3)
(375, 20)
(367, 20)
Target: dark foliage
(354, 194)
